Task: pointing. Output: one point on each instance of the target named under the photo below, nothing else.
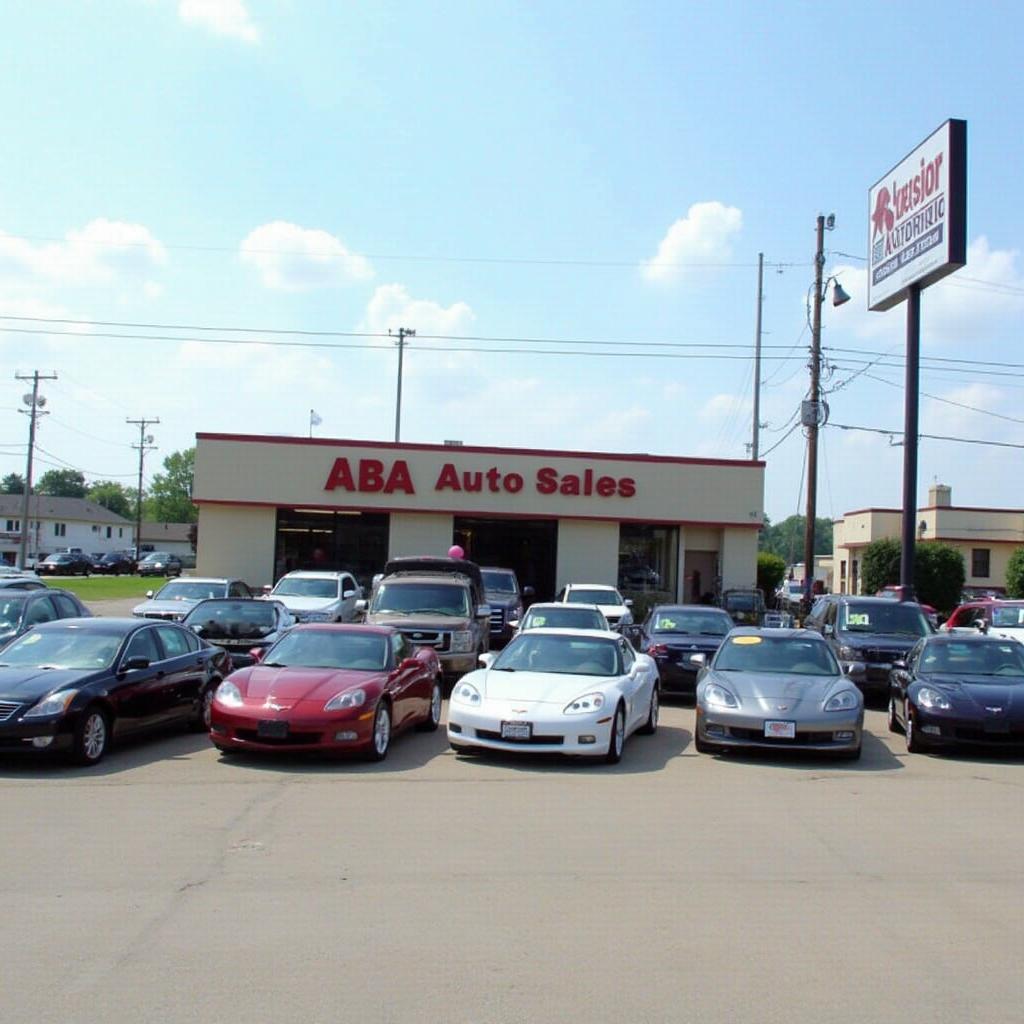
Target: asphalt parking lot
(171, 884)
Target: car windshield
(981, 658)
(11, 607)
(579, 595)
(687, 620)
(788, 655)
(422, 598)
(562, 655)
(564, 617)
(499, 582)
(62, 648)
(232, 618)
(297, 586)
(1008, 616)
(330, 648)
(157, 556)
(189, 590)
(741, 602)
(58, 559)
(890, 617)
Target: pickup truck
(437, 603)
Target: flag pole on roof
(314, 420)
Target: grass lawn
(105, 588)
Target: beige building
(986, 537)
(679, 526)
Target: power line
(932, 437)
(949, 401)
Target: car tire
(199, 720)
(650, 727)
(849, 755)
(433, 719)
(915, 745)
(91, 736)
(894, 722)
(617, 738)
(462, 749)
(380, 737)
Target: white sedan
(556, 691)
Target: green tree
(170, 493)
(770, 572)
(880, 565)
(1015, 574)
(62, 483)
(786, 539)
(939, 575)
(13, 483)
(114, 496)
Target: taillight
(657, 650)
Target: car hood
(889, 641)
(232, 631)
(687, 641)
(29, 684)
(776, 686)
(978, 693)
(262, 682)
(538, 687)
(305, 604)
(177, 607)
(409, 622)
(503, 600)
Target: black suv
(868, 634)
(505, 598)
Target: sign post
(917, 234)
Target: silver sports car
(777, 689)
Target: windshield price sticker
(857, 619)
(746, 641)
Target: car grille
(973, 734)
(7, 709)
(229, 642)
(875, 654)
(438, 639)
(293, 739)
(497, 620)
(549, 741)
(166, 616)
(802, 738)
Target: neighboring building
(271, 504)
(986, 537)
(171, 537)
(823, 575)
(56, 523)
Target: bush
(939, 575)
(1015, 574)
(880, 565)
(771, 569)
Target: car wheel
(914, 743)
(200, 718)
(91, 736)
(849, 755)
(461, 748)
(380, 738)
(894, 722)
(433, 719)
(617, 739)
(650, 727)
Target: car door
(410, 694)
(184, 669)
(138, 694)
(350, 588)
(901, 678)
(633, 685)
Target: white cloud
(293, 259)
(263, 369)
(702, 236)
(222, 17)
(392, 307)
(718, 407)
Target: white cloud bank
(295, 259)
(702, 236)
(222, 17)
(392, 307)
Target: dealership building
(682, 527)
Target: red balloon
(456, 552)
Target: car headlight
(345, 700)
(844, 700)
(54, 704)
(720, 697)
(849, 654)
(462, 641)
(585, 704)
(228, 694)
(933, 700)
(466, 693)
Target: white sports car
(561, 691)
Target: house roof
(162, 532)
(45, 506)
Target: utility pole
(811, 417)
(403, 333)
(756, 438)
(35, 403)
(145, 445)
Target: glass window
(401, 648)
(173, 639)
(628, 657)
(980, 562)
(42, 610)
(143, 645)
(648, 558)
(65, 606)
(330, 541)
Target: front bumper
(238, 729)
(744, 730)
(552, 733)
(19, 736)
(945, 729)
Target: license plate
(516, 730)
(775, 730)
(272, 730)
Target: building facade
(684, 528)
(58, 523)
(986, 537)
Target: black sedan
(956, 690)
(20, 610)
(160, 563)
(241, 625)
(65, 563)
(672, 633)
(77, 684)
(113, 563)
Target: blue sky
(500, 171)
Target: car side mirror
(483, 611)
(980, 625)
(266, 588)
(513, 623)
(854, 668)
(698, 659)
(486, 660)
(361, 605)
(257, 653)
(149, 594)
(134, 664)
(346, 594)
(628, 602)
(528, 591)
(900, 663)
(828, 630)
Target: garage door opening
(529, 546)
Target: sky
(212, 212)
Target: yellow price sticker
(746, 641)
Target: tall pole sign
(917, 234)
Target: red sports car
(329, 687)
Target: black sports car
(672, 633)
(240, 625)
(76, 684)
(959, 690)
